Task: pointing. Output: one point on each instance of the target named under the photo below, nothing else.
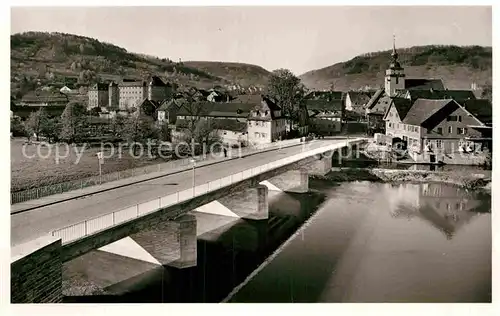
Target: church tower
(395, 75)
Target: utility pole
(100, 158)
(193, 161)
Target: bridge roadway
(43, 220)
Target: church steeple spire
(394, 60)
(394, 53)
(394, 76)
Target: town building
(148, 107)
(397, 85)
(113, 96)
(266, 123)
(325, 116)
(457, 95)
(356, 101)
(167, 111)
(53, 103)
(325, 95)
(98, 96)
(44, 99)
(236, 123)
(444, 131)
(65, 90)
(216, 95)
(132, 93)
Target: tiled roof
(154, 103)
(45, 97)
(480, 108)
(270, 104)
(132, 84)
(423, 109)
(324, 105)
(424, 84)
(248, 98)
(324, 95)
(442, 94)
(221, 124)
(402, 106)
(166, 104)
(374, 99)
(381, 106)
(217, 109)
(359, 97)
(266, 105)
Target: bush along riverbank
(467, 180)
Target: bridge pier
(321, 166)
(173, 243)
(249, 204)
(36, 271)
(294, 181)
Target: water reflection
(228, 250)
(372, 242)
(446, 208)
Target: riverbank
(478, 180)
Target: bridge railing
(91, 226)
(58, 188)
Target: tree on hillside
(87, 76)
(26, 84)
(487, 92)
(73, 122)
(288, 92)
(37, 123)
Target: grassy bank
(468, 180)
(38, 166)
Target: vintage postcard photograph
(251, 154)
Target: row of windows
(460, 130)
(412, 141)
(438, 143)
(257, 135)
(257, 123)
(409, 128)
(130, 92)
(261, 123)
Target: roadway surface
(43, 220)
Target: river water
(384, 243)
(362, 242)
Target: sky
(296, 38)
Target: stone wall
(36, 271)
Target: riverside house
(442, 131)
